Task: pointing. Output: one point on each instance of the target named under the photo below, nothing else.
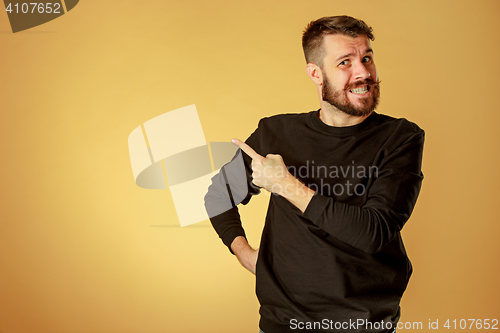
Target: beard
(339, 99)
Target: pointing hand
(268, 172)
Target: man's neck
(332, 116)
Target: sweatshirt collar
(316, 123)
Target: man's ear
(315, 73)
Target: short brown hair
(312, 39)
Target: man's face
(350, 81)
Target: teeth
(359, 90)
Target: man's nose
(360, 71)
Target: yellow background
(80, 246)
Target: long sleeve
(230, 187)
(345, 251)
(389, 202)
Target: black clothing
(343, 259)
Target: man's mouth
(360, 90)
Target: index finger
(247, 149)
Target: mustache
(368, 81)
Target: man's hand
(246, 255)
(270, 173)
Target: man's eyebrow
(344, 56)
(350, 54)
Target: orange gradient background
(83, 249)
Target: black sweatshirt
(341, 265)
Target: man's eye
(343, 63)
(367, 59)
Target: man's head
(312, 39)
(340, 62)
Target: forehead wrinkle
(349, 44)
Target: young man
(344, 180)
